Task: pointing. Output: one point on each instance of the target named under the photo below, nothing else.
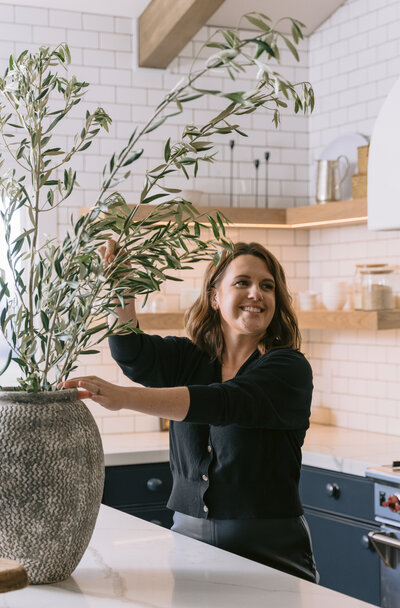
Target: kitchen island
(131, 562)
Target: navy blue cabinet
(339, 510)
(141, 490)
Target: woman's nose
(255, 292)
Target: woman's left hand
(110, 396)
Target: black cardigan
(237, 454)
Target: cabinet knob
(156, 521)
(154, 484)
(332, 489)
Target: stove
(386, 542)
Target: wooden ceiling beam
(166, 27)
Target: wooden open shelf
(308, 216)
(330, 214)
(313, 319)
(349, 319)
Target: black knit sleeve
(275, 392)
(152, 360)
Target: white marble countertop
(131, 562)
(327, 447)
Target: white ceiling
(311, 12)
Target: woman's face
(245, 297)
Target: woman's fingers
(104, 393)
(90, 385)
(107, 252)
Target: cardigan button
(204, 477)
(205, 509)
(209, 449)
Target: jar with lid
(357, 282)
(377, 288)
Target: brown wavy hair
(203, 324)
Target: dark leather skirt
(284, 544)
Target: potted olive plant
(57, 297)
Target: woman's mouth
(254, 309)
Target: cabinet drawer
(137, 484)
(337, 492)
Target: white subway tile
(115, 42)
(147, 424)
(99, 58)
(13, 31)
(67, 19)
(30, 15)
(118, 425)
(48, 35)
(7, 13)
(98, 23)
(123, 25)
(86, 40)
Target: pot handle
(347, 165)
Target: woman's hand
(110, 396)
(108, 251)
(171, 402)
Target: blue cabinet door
(345, 560)
(141, 490)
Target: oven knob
(332, 489)
(365, 542)
(393, 502)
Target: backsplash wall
(352, 61)
(104, 53)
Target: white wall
(104, 53)
(353, 59)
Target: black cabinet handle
(154, 484)
(332, 489)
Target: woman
(238, 394)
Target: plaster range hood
(311, 12)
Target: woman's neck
(236, 352)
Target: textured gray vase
(51, 481)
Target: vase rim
(20, 396)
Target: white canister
(308, 300)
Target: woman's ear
(214, 299)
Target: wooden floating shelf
(295, 218)
(349, 319)
(313, 319)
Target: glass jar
(357, 282)
(377, 288)
(396, 287)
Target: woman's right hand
(108, 254)
(108, 251)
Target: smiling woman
(238, 394)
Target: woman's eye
(241, 283)
(268, 286)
